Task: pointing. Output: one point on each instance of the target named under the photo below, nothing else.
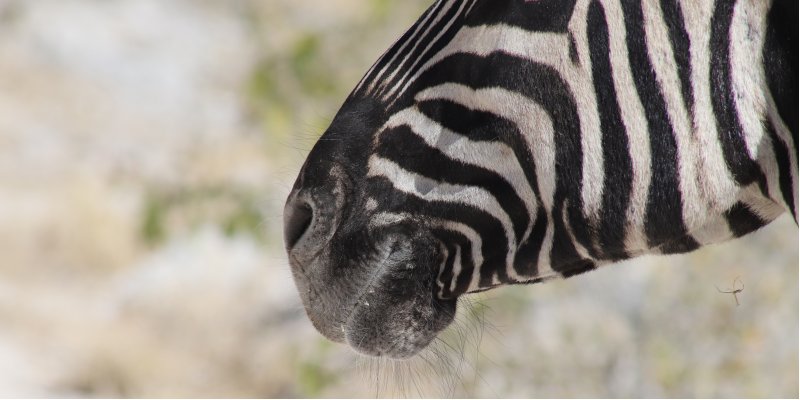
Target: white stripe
(747, 35)
(470, 7)
(579, 79)
(582, 252)
(715, 230)
(765, 208)
(456, 268)
(543, 47)
(751, 93)
(386, 218)
(543, 266)
(747, 32)
(442, 266)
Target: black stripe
(526, 262)
(573, 50)
(540, 15)
(784, 169)
(742, 221)
(483, 126)
(405, 148)
(664, 216)
(474, 124)
(780, 68)
(780, 61)
(528, 282)
(491, 231)
(679, 40)
(731, 136)
(617, 162)
(579, 267)
(467, 262)
(681, 245)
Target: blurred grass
(168, 212)
(313, 376)
(295, 88)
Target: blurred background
(146, 149)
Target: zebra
(502, 142)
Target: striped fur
(646, 131)
(541, 139)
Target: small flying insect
(735, 290)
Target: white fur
(747, 33)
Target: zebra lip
(393, 314)
(395, 329)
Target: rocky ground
(146, 148)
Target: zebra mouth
(397, 329)
(397, 313)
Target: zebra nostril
(298, 221)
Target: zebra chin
(397, 313)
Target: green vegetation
(234, 209)
(295, 89)
(313, 376)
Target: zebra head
(509, 141)
(416, 194)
